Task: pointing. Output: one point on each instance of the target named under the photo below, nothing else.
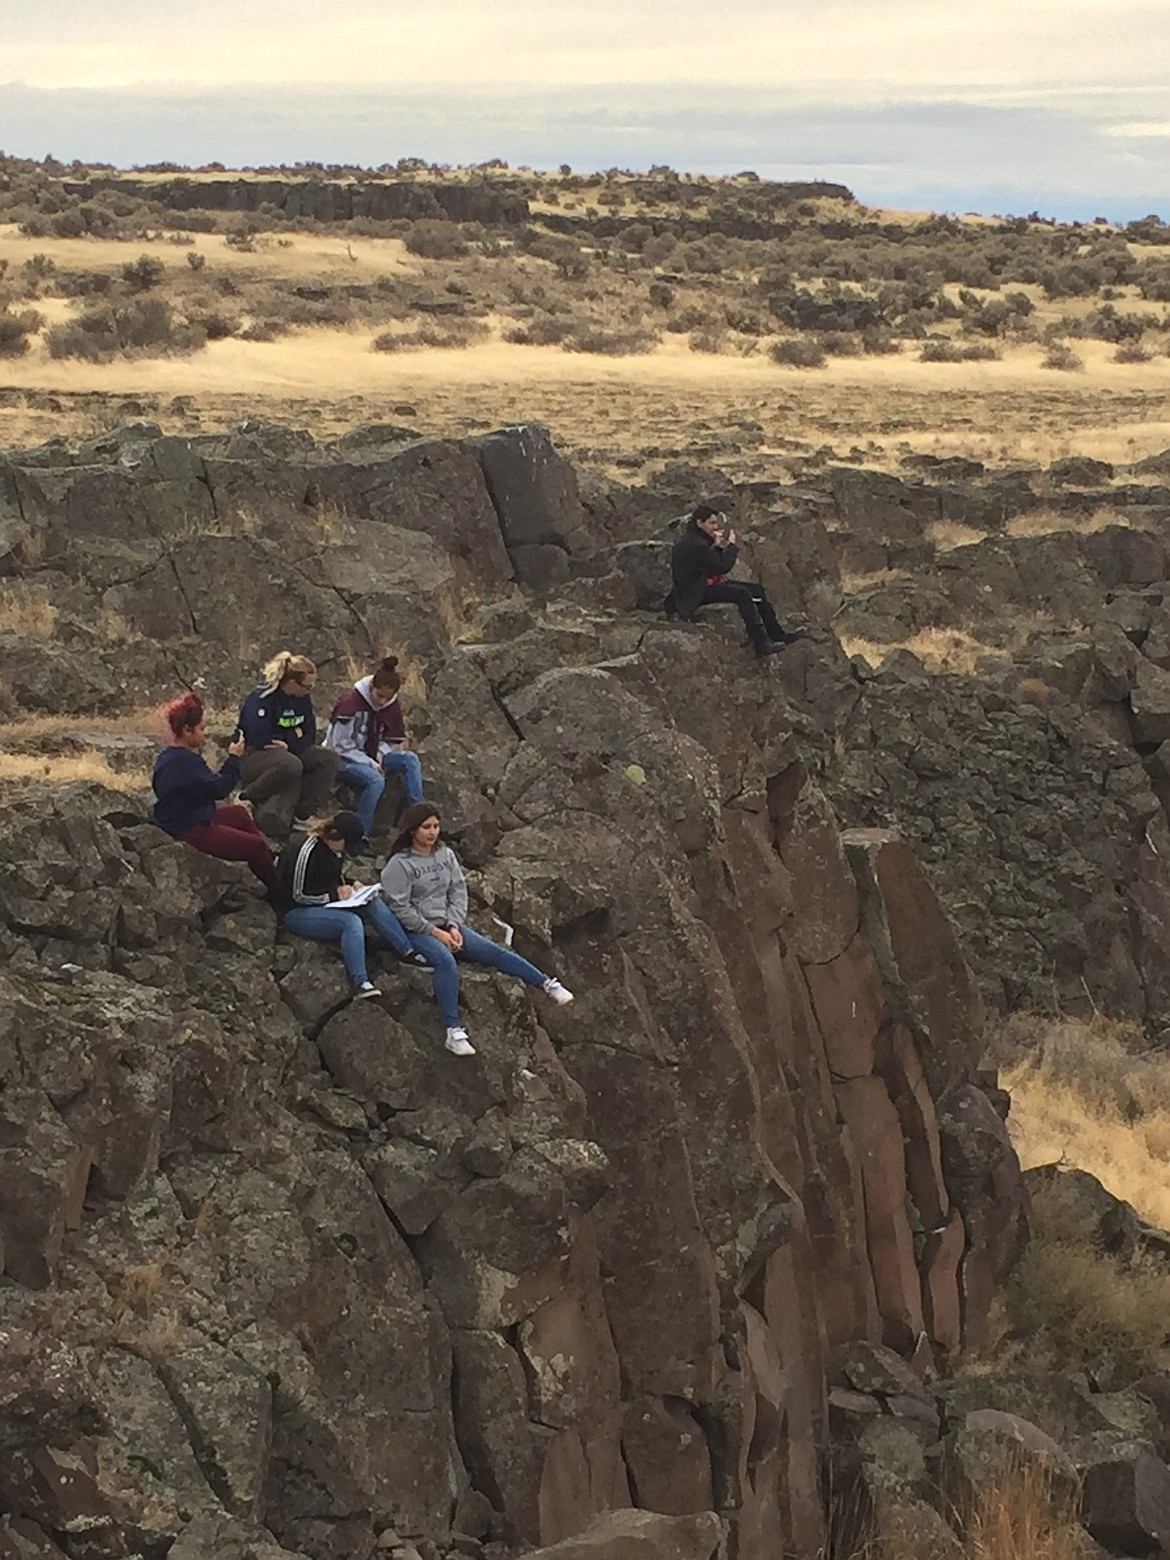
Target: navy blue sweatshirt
(188, 789)
(278, 717)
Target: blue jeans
(369, 783)
(401, 761)
(476, 950)
(348, 927)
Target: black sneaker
(770, 647)
(793, 634)
(412, 956)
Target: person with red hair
(190, 795)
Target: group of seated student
(418, 907)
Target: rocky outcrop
(283, 1274)
(324, 200)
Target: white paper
(359, 897)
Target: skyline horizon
(102, 137)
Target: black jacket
(693, 559)
(310, 874)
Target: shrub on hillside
(431, 333)
(435, 240)
(144, 327)
(543, 332)
(711, 339)
(144, 273)
(611, 343)
(796, 352)
(1133, 352)
(939, 351)
(1061, 356)
(15, 329)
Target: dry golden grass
(1022, 1515)
(939, 649)
(18, 767)
(1086, 1093)
(1044, 522)
(1023, 1518)
(1069, 1303)
(852, 583)
(949, 535)
(27, 612)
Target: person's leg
(481, 950)
(271, 781)
(319, 770)
(369, 783)
(740, 596)
(772, 625)
(333, 926)
(446, 974)
(387, 925)
(405, 763)
(225, 838)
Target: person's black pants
(759, 616)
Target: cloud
(1142, 131)
(891, 48)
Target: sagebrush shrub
(1061, 356)
(15, 329)
(1133, 352)
(435, 240)
(797, 352)
(938, 351)
(144, 273)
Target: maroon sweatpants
(232, 836)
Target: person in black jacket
(285, 771)
(312, 896)
(702, 558)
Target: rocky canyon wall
(281, 1277)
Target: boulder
(1080, 471)
(1125, 1494)
(988, 1446)
(1107, 1221)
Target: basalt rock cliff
(281, 1277)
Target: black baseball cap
(348, 826)
(703, 512)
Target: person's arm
(226, 778)
(392, 727)
(310, 727)
(397, 886)
(341, 737)
(723, 558)
(456, 892)
(316, 876)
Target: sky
(1008, 105)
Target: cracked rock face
(267, 1294)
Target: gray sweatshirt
(425, 891)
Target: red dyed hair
(183, 713)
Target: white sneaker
(560, 995)
(458, 1044)
(366, 989)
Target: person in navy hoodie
(285, 773)
(190, 795)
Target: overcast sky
(1005, 105)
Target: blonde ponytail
(285, 664)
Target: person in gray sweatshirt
(423, 884)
